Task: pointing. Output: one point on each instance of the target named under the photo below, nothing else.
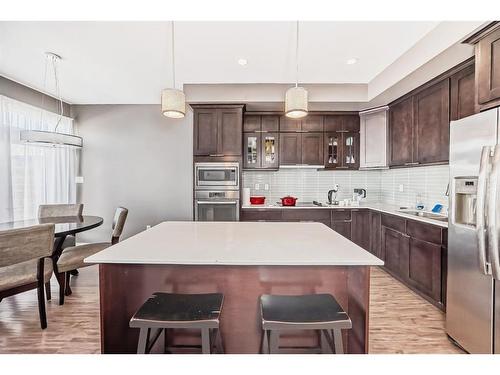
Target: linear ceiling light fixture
(173, 101)
(296, 101)
(52, 138)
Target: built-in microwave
(217, 176)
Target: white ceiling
(129, 62)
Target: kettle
(331, 194)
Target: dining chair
(72, 257)
(55, 210)
(25, 262)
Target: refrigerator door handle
(493, 221)
(480, 208)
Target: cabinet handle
(216, 155)
(342, 131)
(405, 235)
(414, 163)
(261, 131)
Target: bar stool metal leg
(264, 346)
(205, 340)
(143, 341)
(218, 342)
(325, 346)
(339, 347)
(274, 342)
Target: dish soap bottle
(419, 202)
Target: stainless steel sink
(425, 214)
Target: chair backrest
(118, 223)
(52, 210)
(24, 244)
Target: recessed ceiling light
(352, 61)
(242, 62)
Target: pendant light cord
(297, 55)
(173, 54)
(54, 60)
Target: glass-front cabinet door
(351, 150)
(269, 157)
(252, 150)
(333, 145)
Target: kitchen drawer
(261, 214)
(424, 232)
(340, 214)
(394, 222)
(294, 214)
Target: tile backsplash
(429, 183)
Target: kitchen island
(242, 260)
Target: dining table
(63, 226)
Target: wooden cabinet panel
(360, 232)
(333, 123)
(394, 222)
(312, 148)
(343, 228)
(315, 215)
(205, 132)
(401, 133)
(340, 214)
(252, 123)
(375, 234)
(290, 148)
(217, 131)
(488, 68)
(425, 232)
(424, 267)
(462, 101)
(431, 124)
(270, 123)
(373, 139)
(261, 215)
(289, 125)
(395, 251)
(351, 123)
(312, 123)
(230, 130)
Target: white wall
(134, 157)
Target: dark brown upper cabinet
(341, 123)
(217, 130)
(261, 123)
(312, 148)
(401, 133)
(487, 75)
(290, 148)
(310, 123)
(431, 121)
(260, 150)
(462, 101)
(419, 126)
(301, 148)
(341, 150)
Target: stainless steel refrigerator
(473, 288)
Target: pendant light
(52, 138)
(296, 101)
(173, 101)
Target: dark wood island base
(125, 287)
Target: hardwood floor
(403, 322)
(400, 321)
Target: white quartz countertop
(381, 207)
(237, 243)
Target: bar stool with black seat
(164, 311)
(319, 312)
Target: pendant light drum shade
(173, 103)
(296, 102)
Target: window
(32, 174)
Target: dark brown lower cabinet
(343, 228)
(415, 253)
(376, 234)
(424, 267)
(360, 232)
(394, 247)
(314, 215)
